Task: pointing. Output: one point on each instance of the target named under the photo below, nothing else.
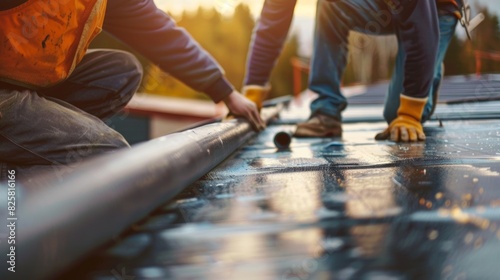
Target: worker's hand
(239, 105)
(407, 127)
(403, 129)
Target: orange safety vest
(41, 42)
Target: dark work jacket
(154, 34)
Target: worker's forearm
(155, 35)
(269, 36)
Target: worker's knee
(125, 78)
(131, 66)
(131, 72)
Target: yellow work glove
(407, 127)
(257, 94)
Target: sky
(303, 18)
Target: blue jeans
(334, 21)
(447, 24)
(64, 124)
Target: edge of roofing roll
(63, 219)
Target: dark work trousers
(62, 125)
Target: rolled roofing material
(62, 218)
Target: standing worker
(335, 18)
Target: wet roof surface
(330, 208)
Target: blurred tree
(460, 58)
(371, 58)
(487, 38)
(454, 66)
(487, 35)
(226, 38)
(282, 75)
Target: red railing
(299, 66)
(480, 55)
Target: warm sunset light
(305, 8)
(249, 139)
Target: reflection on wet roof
(331, 208)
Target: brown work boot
(319, 126)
